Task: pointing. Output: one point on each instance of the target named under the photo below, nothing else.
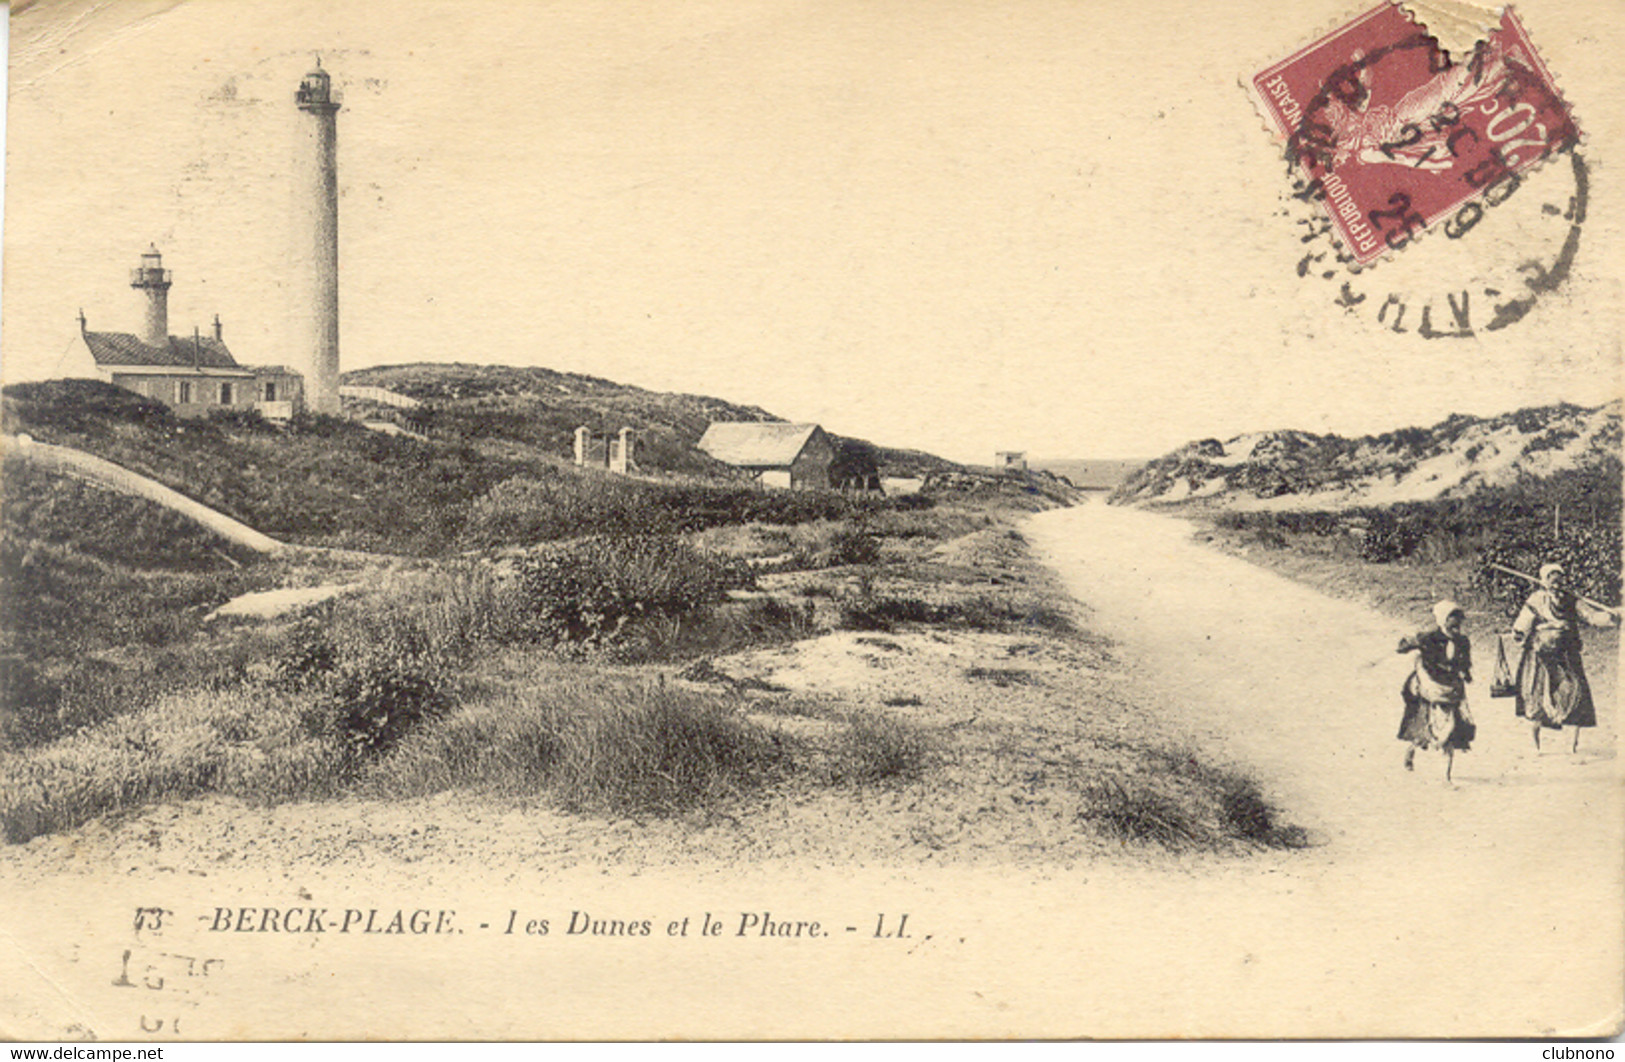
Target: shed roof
(757, 444)
(122, 348)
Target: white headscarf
(1444, 610)
(1549, 568)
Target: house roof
(122, 348)
(756, 444)
(181, 370)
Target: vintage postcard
(757, 519)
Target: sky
(957, 225)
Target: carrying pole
(1610, 609)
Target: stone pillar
(621, 453)
(583, 444)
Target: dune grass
(875, 747)
(1183, 803)
(977, 612)
(248, 743)
(590, 745)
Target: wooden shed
(797, 456)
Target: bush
(367, 704)
(871, 613)
(1184, 802)
(1590, 556)
(662, 752)
(850, 546)
(249, 420)
(379, 665)
(1245, 813)
(529, 509)
(75, 406)
(1390, 538)
(586, 591)
(1572, 518)
(719, 629)
(28, 702)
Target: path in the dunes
(1502, 890)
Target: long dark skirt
(1431, 725)
(1552, 686)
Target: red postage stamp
(1396, 135)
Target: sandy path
(1505, 888)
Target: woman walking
(1552, 687)
(1435, 693)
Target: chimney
(217, 333)
(151, 276)
(84, 326)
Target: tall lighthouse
(318, 206)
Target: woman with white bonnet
(1552, 687)
(1435, 693)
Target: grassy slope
(1045, 766)
(542, 408)
(324, 481)
(330, 482)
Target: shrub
(378, 665)
(587, 590)
(306, 656)
(532, 508)
(505, 745)
(871, 613)
(368, 703)
(249, 420)
(28, 701)
(724, 628)
(1590, 556)
(853, 546)
(75, 406)
(1183, 803)
(1390, 538)
(1002, 677)
(42, 703)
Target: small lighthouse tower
(318, 205)
(151, 276)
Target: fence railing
(380, 395)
